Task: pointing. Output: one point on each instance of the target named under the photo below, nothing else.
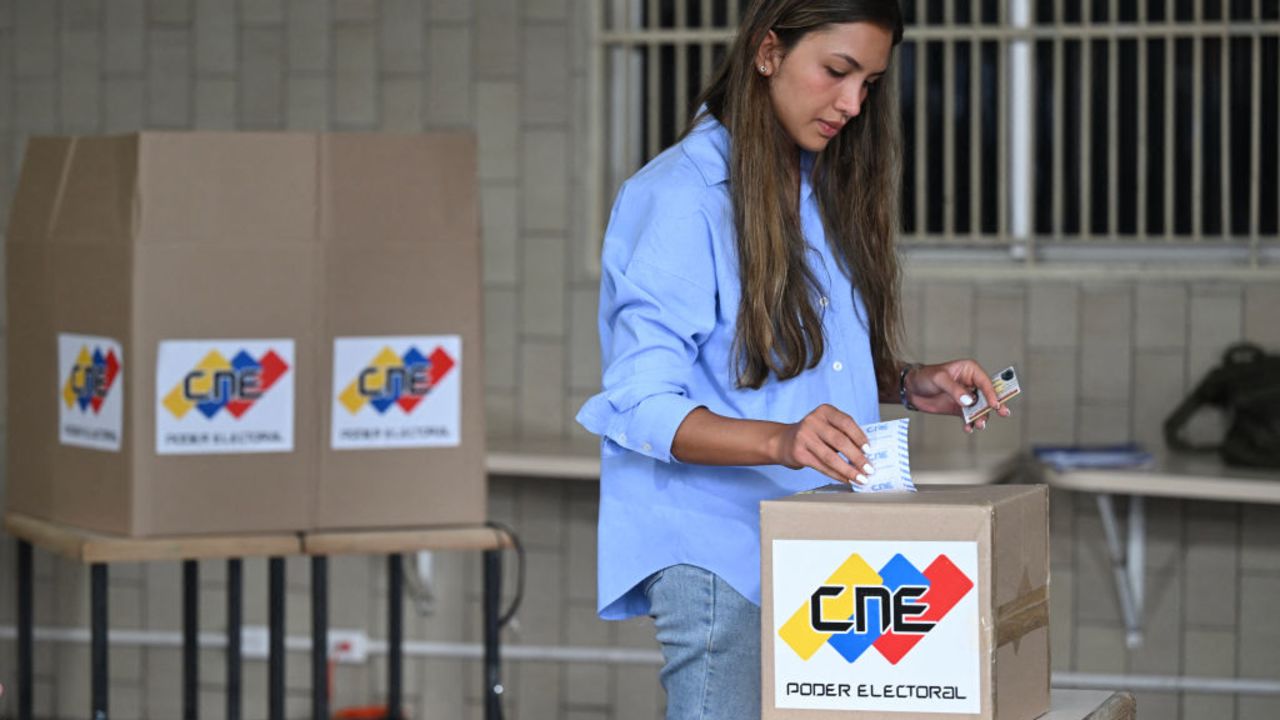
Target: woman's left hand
(945, 388)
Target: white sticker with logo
(396, 392)
(224, 396)
(876, 626)
(90, 392)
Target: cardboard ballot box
(910, 605)
(223, 332)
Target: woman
(749, 319)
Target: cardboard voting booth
(907, 605)
(224, 332)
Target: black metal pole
(26, 674)
(492, 661)
(98, 652)
(275, 621)
(190, 637)
(235, 593)
(395, 634)
(319, 637)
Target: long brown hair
(855, 180)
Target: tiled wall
(1103, 359)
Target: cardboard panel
(97, 201)
(389, 189)
(228, 188)
(39, 184)
(32, 380)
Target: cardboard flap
(228, 188)
(39, 189)
(96, 206)
(390, 189)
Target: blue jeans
(710, 637)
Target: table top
(1190, 476)
(1090, 705)
(88, 546)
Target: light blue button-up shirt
(669, 293)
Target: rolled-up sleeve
(657, 305)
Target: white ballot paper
(889, 456)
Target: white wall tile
(262, 92)
(307, 102)
(1209, 653)
(1212, 564)
(355, 100)
(499, 225)
(262, 12)
(215, 104)
(584, 339)
(544, 180)
(169, 101)
(545, 9)
(35, 41)
(1053, 314)
(541, 385)
(1159, 384)
(168, 12)
(355, 10)
(542, 278)
(125, 36)
(402, 109)
(1261, 325)
(216, 40)
(497, 47)
(1161, 315)
(309, 33)
(1106, 344)
(501, 328)
(1051, 408)
(545, 75)
(948, 320)
(450, 10)
(498, 130)
(1099, 648)
(402, 36)
(449, 86)
(123, 97)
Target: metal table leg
(190, 637)
(1127, 562)
(395, 634)
(26, 673)
(235, 592)
(492, 661)
(319, 637)
(98, 651)
(275, 619)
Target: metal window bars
(1036, 127)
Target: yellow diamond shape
(351, 398)
(798, 632)
(177, 403)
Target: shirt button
(823, 301)
(837, 366)
(646, 447)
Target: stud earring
(764, 70)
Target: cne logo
(891, 609)
(390, 379)
(91, 378)
(216, 384)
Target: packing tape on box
(1027, 612)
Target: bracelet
(902, 385)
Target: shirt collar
(708, 147)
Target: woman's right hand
(820, 439)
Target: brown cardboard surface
(171, 236)
(1010, 527)
(412, 199)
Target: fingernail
(866, 448)
(966, 400)
(861, 479)
(868, 469)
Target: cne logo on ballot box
(224, 396)
(91, 409)
(389, 393)
(876, 626)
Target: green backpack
(1246, 386)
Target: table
(99, 550)
(1186, 476)
(1090, 705)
